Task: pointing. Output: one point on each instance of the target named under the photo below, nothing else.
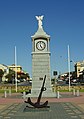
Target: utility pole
(15, 70)
(69, 66)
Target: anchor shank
(42, 89)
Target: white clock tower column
(41, 61)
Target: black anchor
(37, 104)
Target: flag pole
(15, 70)
(69, 66)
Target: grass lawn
(20, 91)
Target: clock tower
(41, 61)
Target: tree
(1, 73)
(10, 76)
(23, 75)
(74, 75)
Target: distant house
(5, 69)
(79, 67)
(16, 68)
(66, 75)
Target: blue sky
(63, 21)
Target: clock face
(40, 45)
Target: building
(18, 70)
(5, 69)
(79, 67)
(15, 68)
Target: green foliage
(10, 75)
(24, 76)
(1, 72)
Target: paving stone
(77, 111)
(71, 113)
(1, 117)
(82, 116)
(7, 117)
(75, 117)
(13, 111)
(68, 110)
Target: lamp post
(69, 66)
(15, 70)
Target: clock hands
(40, 45)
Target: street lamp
(69, 66)
(16, 69)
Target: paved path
(57, 110)
(66, 107)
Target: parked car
(72, 81)
(22, 80)
(12, 81)
(81, 81)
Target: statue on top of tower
(39, 18)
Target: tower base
(46, 93)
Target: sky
(63, 21)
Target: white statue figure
(39, 18)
